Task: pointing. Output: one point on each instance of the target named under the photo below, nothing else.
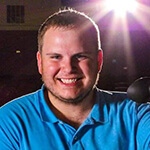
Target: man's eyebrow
(78, 53)
(86, 52)
(53, 54)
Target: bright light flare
(120, 7)
(119, 17)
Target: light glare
(120, 7)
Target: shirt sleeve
(5, 143)
(143, 126)
(8, 134)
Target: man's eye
(55, 57)
(81, 57)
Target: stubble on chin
(51, 95)
(75, 101)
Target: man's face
(68, 64)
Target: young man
(69, 112)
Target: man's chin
(75, 100)
(72, 99)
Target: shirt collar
(45, 112)
(99, 112)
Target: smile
(68, 81)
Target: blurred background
(125, 37)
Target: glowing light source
(120, 7)
(18, 51)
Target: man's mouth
(68, 81)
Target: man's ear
(39, 62)
(100, 59)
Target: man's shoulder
(15, 106)
(120, 101)
(116, 100)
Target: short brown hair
(70, 18)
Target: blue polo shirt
(114, 123)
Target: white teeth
(68, 80)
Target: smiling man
(65, 63)
(69, 112)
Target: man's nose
(69, 65)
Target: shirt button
(75, 138)
(61, 122)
